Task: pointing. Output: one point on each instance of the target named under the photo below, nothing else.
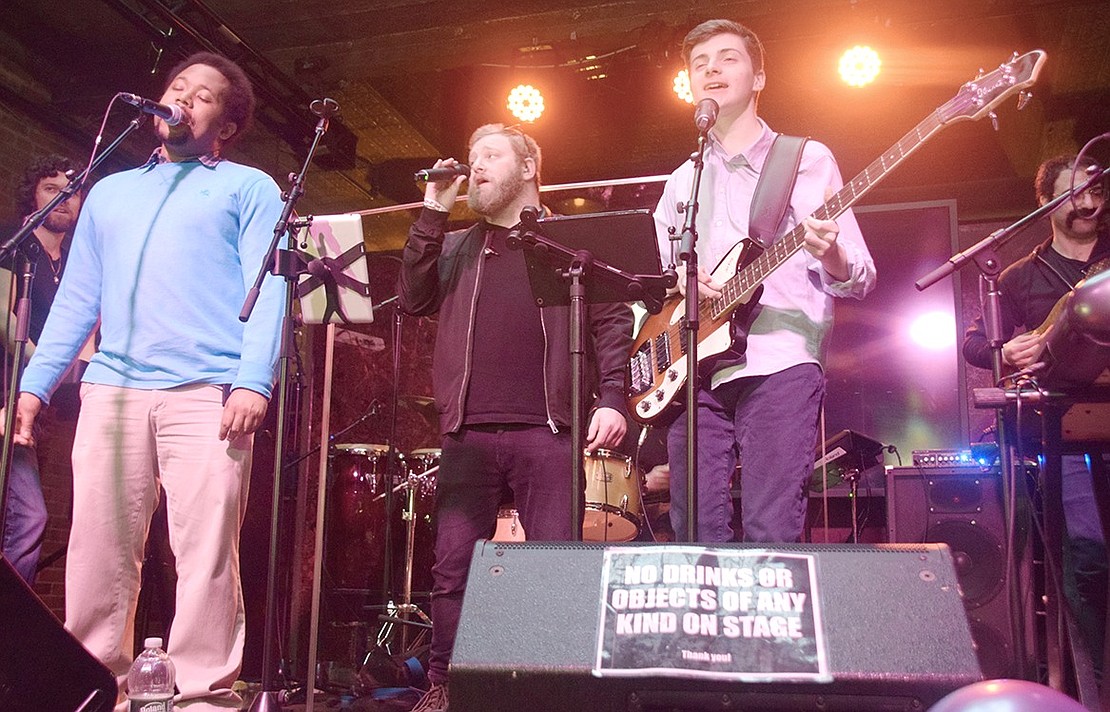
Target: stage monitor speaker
(895, 631)
(42, 666)
(961, 506)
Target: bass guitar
(658, 363)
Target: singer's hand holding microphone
(443, 181)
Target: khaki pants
(128, 441)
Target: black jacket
(442, 273)
(1030, 288)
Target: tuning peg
(994, 119)
(981, 73)
(1023, 98)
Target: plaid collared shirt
(159, 156)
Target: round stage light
(859, 66)
(525, 102)
(682, 86)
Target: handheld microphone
(705, 114)
(431, 175)
(172, 114)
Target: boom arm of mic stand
(1000, 237)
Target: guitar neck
(784, 248)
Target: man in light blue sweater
(164, 254)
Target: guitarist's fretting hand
(1022, 350)
(820, 241)
(708, 288)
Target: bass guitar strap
(772, 191)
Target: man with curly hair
(44, 178)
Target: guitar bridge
(641, 372)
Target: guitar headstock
(978, 97)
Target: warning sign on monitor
(690, 611)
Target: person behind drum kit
(163, 254)
(764, 406)
(501, 373)
(1029, 289)
(44, 178)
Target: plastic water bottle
(151, 678)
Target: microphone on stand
(431, 175)
(705, 114)
(172, 114)
(526, 226)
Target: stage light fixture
(860, 65)
(525, 102)
(682, 86)
(934, 330)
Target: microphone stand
(985, 255)
(29, 252)
(289, 265)
(578, 267)
(554, 261)
(688, 254)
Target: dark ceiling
(414, 77)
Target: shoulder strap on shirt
(772, 191)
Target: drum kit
(358, 553)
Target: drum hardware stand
(398, 613)
(407, 608)
(852, 477)
(29, 251)
(288, 264)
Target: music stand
(334, 287)
(605, 257)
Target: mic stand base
(267, 701)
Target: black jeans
(477, 465)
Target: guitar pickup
(663, 358)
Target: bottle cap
(152, 643)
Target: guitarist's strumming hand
(1022, 350)
(708, 288)
(820, 241)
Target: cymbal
(423, 405)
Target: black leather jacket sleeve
(418, 287)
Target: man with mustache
(1029, 289)
(501, 373)
(25, 520)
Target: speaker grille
(897, 637)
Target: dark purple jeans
(477, 465)
(770, 422)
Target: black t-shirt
(48, 274)
(1030, 289)
(506, 373)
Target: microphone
(172, 114)
(527, 227)
(445, 173)
(705, 114)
